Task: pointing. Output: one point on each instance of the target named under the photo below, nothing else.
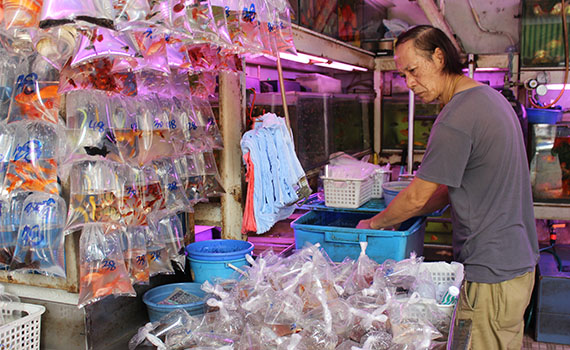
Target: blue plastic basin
(157, 294)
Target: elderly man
(476, 161)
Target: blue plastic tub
(157, 294)
(543, 116)
(336, 233)
(210, 260)
(391, 189)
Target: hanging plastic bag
(132, 213)
(204, 58)
(279, 27)
(155, 133)
(102, 267)
(201, 23)
(33, 162)
(56, 45)
(6, 148)
(97, 75)
(95, 193)
(176, 54)
(212, 180)
(169, 229)
(89, 117)
(134, 252)
(8, 235)
(151, 43)
(203, 85)
(8, 73)
(40, 244)
(250, 25)
(21, 13)
(123, 112)
(194, 178)
(151, 191)
(174, 197)
(57, 12)
(207, 125)
(103, 43)
(35, 94)
(193, 138)
(131, 13)
(157, 254)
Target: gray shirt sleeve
(446, 157)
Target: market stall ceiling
(496, 15)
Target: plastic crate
(347, 193)
(380, 177)
(23, 333)
(444, 274)
(336, 233)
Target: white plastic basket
(347, 193)
(444, 274)
(23, 333)
(380, 176)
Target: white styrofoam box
(320, 83)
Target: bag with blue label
(174, 197)
(96, 192)
(35, 94)
(40, 243)
(89, 130)
(102, 269)
(134, 252)
(157, 254)
(34, 158)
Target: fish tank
(542, 39)
(395, 123)
(550, 162)
(322, 123)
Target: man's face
(423, 76)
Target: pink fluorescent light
(557, 86)
(319, 61)
(302, 58)
(341, 66)
(486, 69)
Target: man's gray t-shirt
(476, 148)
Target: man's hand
(364, 224)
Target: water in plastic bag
(40, 244)
(102, 266)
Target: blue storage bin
(157, 294)
(336, 233)
(391, 189)
(210, 260)
(543, 116)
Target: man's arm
(419, 198)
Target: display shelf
(499, 61)
(552, 211)
(310, 42)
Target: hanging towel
(277, 173)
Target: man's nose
(410, 82)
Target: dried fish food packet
(96, 193)
(34, 160)
(40, 243)
(102, 268)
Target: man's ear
(438, 57)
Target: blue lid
(543, 116)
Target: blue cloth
(277, 170)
